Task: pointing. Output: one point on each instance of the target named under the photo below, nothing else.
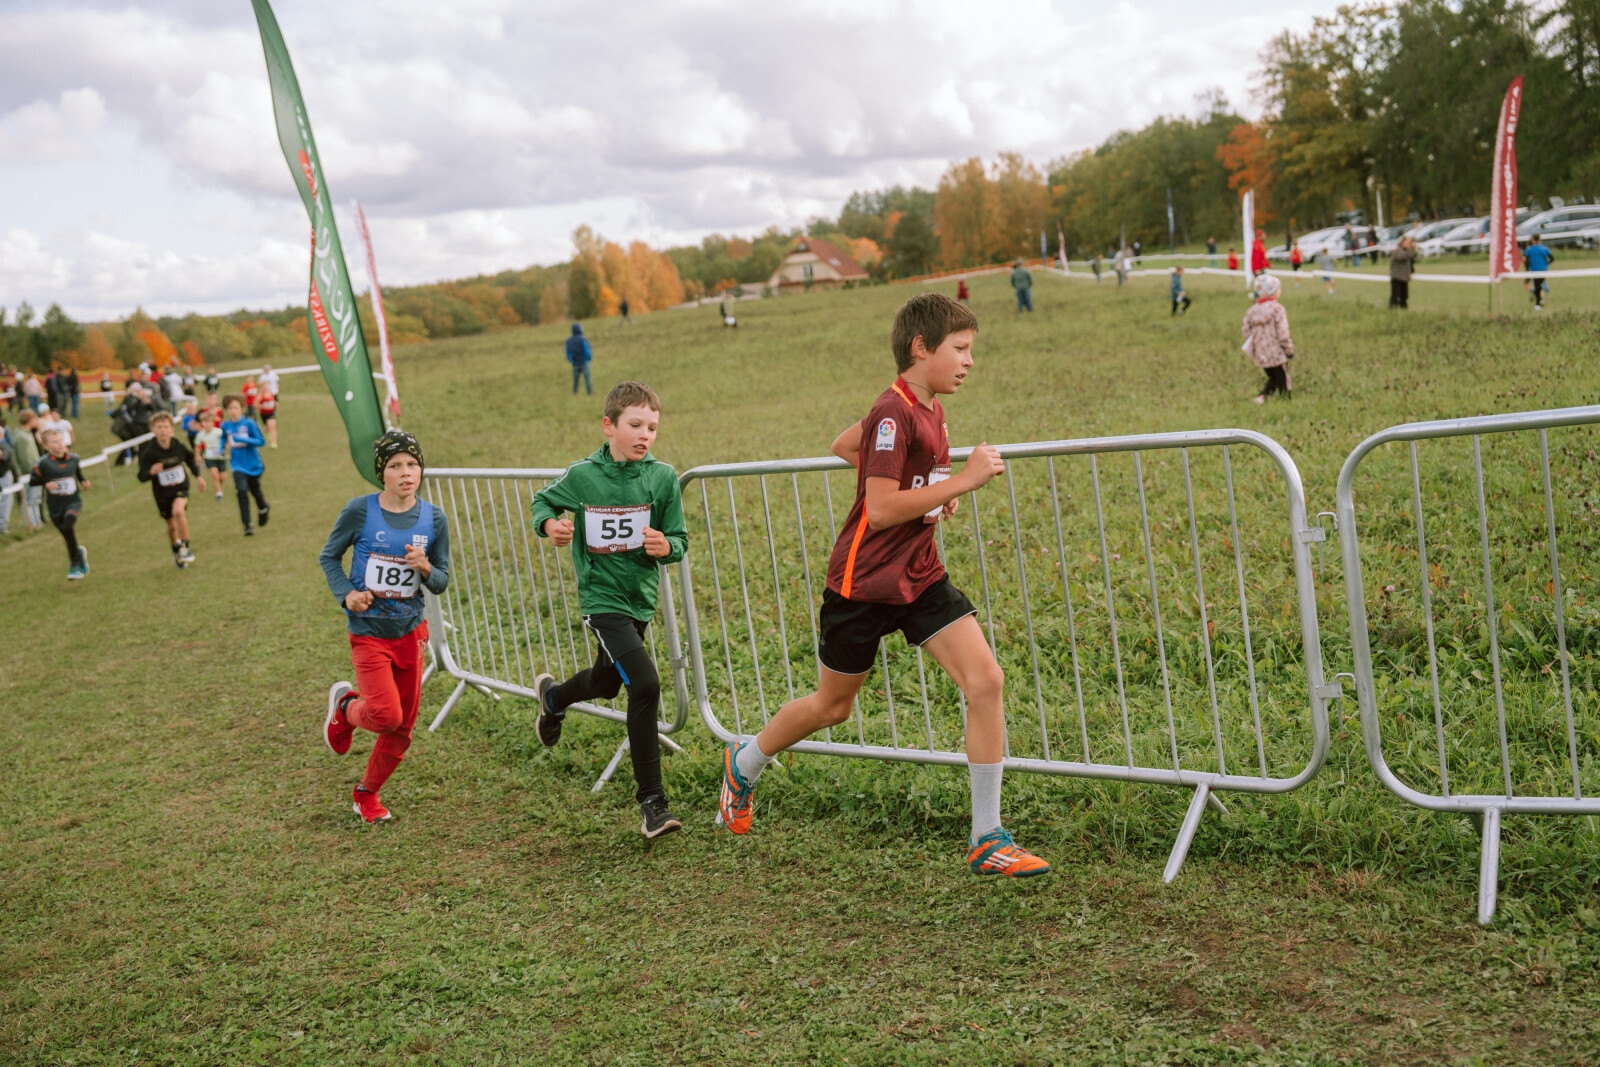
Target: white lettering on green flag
(335, 327)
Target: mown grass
(184, 882)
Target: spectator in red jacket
(1258, 253)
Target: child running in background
(209, 440)
(402, 546)
(268, 406)
(249, 394)
(191, 420)
(244, 440)
(631, 524)
(1180, 297)
(162, 463)
(58, 472)
(886, 575)
(1325, 266)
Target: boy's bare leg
(963, 653)
(799, 719)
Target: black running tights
(602, 682)
(1277, 381)
(248, 485)
(68, 525)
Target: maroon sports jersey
(906, 441)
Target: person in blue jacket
(243, 438)
(579, 355)
(1537, 256)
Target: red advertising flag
(1503, 209)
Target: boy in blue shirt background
(1537, 256)
(244, 440)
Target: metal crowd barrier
(1118, 669)
(511, 609)
(1477, 595)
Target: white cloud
(486, 129)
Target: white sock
(985, 797)
(751, 761)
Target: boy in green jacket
(629, 522)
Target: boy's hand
(559, 531)
(156, 468)
(417, 560)
(655, 543)
(950, 507)
(984, 463)
(50, 486)
(358, 600)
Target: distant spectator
(1096, 266)
(27, 455)
(33, 394)
(728, 321)
(1537, 256)
(1233, 258)
(1401, 260)
(961, 289)
(1372, 244)
(1138, 252)
(1266, 337)
(580, 355)
(8, 475)
(1258, 253)
(1351, 243)
(1211, 251)
(1180, 298)
(107, 387)
(1022, 282)
(622, 309)
(1123, 264)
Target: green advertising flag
(334, 324)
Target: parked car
(1471, 235)
(1311, 243)
(1389, 236)
(1573, 224)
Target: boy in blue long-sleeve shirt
(1537, 256)
(243, 438)
(1180, 298)
(579, 354)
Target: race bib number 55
(608, 530)
(389, 577)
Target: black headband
(392, 444)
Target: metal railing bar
(1559, 607)
(1427, 612)
(527, 554)
(1066, 594)
(1027, 611)
(744, 593)
(777, 589)
(722, 611)
(1111, 608)
(1244, 611)
(988, 606)
(1155, 606)
(1492, 618)
(888, 694)
(1205, 628)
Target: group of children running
(620, 512)
(223, 436)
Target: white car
(1471, 235)
(1573, 224)
(1331, 238)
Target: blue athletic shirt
(1537, 257)
(366, 527)
(244, 438)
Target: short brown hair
(158, 416)
(930, 316)
(232, 398)
(625, 395)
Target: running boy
(209, 442)
(161, 463)
(383, 601)
(244, 438)
(632, 524)
(58, 472)
(886, 575)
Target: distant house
(815, 262)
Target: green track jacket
(621, 582)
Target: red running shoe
(368, 806)
(336, 730)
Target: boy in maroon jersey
(886, 575)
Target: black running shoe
(262, 515)
(657, 819)
(548, 726)
(249, 531)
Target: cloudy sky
(139, 165)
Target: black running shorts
(852, 629)
(618, 634)
(166, 497)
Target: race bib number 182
(390, 577)
(608, 530)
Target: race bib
(65, 487)
(390, 577)
(608, 530)
(935, 476)
(170, 476)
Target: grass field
(184, 882)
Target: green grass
(184, 882)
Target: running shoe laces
(996, 853)
(736, 805)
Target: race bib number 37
(64, 487)
(389, 577)
(608, 530)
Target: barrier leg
(461, 687)
(1214, 802)
(486, 691)
(611, 768)
(1489, 867)
(1191, 823)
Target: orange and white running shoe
(368, 806)
(996, 853)
(734, 807)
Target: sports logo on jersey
(886, 431)
(420, 540)
(380, 535)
